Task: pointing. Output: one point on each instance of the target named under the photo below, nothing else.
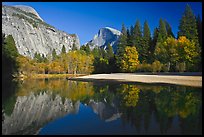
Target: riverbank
(187, 79)
(41, 76)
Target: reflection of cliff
(32, 112)
(105, 111)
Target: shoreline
(42, 76)
(194, 80)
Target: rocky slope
(32, 112)
(32, 34)
(105, 35)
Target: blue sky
(86, 18)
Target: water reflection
(140, 109)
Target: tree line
(137, 51)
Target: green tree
(74, 47)
(129, 60)
(199, 29)
(63, 49)
(54, 54)
(95, 52)
(169, 30)
(9, 49)
(153, 45)
(187, 52)
(129, 42)
(122, 40)
(109, 51)
(137, 39)
(9, 55)
(38, 57)
(147, 41)
(166, 52)
(187, 25)
(162, 31)
(86, 48)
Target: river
(65, 107)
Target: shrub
(156, 66)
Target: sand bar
(187, 80)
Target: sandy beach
(187, 80)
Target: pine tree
(199, 29)
(153, 44)
(128, 38)
(10, 50)
(162, 31)
(54, 54)
(122, 40)
(137, 39)
(131, 39)
(63, 49)
(109, 51)
(74, 47)
(169, 30)
(137, 34)
(187, 26)
(146, 41)
(9, 57)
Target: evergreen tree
(131, 39)
(9, 57)
(54, 54)
(38, 57)
(109, 51)
(95, 52)
(153, 44)
(86, 48)
(128, 38)
(162, 31)
(121, 44)
(137, 39)
(169, 30)
(74, 47)
(137, 35)
(9, 49)
(123, 39)
(146, 42)
(63, 49)
(199, 28)
(187, 26)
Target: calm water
(59, 106)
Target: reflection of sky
(88, 122)
(85, 122)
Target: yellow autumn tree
(129, 60)
(188, 54)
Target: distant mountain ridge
(103, 37)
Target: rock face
(32, 112)
(32, 34)
(105, 35)
(105, 111)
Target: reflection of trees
(130, 95)
(137, 103)
(137, 108)
(176, 101)
(9, 89)
(37, 102)
(66, 89)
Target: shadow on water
(45, 106)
